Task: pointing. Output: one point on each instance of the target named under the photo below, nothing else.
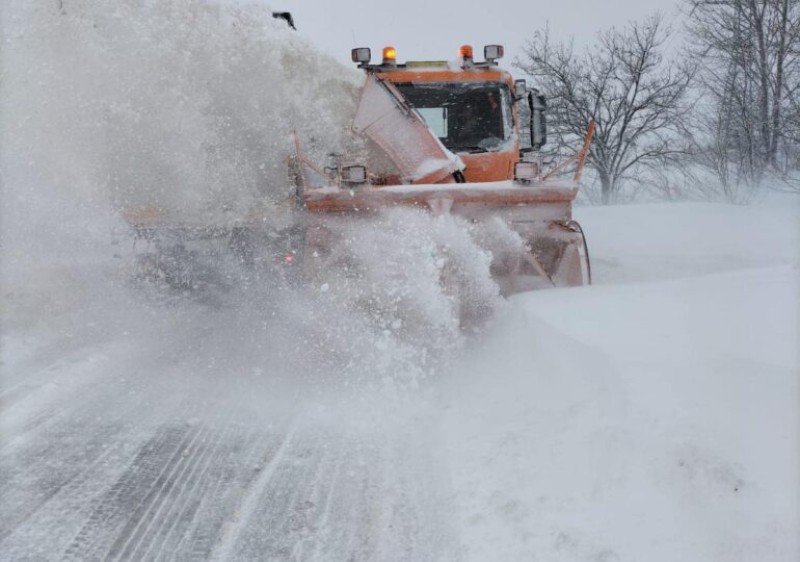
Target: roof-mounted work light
(361, 55)
(492, 52)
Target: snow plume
(181, 105)
(187, 107)
(178, 105)
(396, 295)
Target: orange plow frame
(540, 211)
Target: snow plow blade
(555, 252)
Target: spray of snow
(187, 107)
(403, 294)
(183, 106)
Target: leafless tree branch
(637, 99)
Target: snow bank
(643, 421)
(672, 240)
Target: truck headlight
(354, 174)
(525, 171)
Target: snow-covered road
(174, 435)
(653, 416)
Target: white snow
(655, 420)
(652, 416)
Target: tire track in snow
(45, 466)
(147, 514)
(95, 541)
(330, 494)
(318, 492)
(232, 531)
(156, 534)
(185, 506)
(226, 480)
(53, 519)
(285, 516)
(32, 479)
(173, 500)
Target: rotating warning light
(389, 54)
(465, 52)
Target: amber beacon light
(389, 54)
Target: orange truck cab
(471, 107)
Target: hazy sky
(434, 29)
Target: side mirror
(538, 105)
(520, 89)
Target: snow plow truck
(451, 137)
(462, 138)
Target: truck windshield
(465, 117)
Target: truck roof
(448, 73)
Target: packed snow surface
(651, 416)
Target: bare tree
(623, 82)
(749, 56)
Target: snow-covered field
(652, 416)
